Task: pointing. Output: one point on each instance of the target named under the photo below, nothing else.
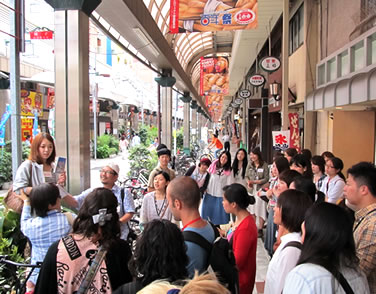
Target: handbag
(12, 201)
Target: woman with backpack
(242, 235)
(328, 261)
(289, 213)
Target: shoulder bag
(12, 201)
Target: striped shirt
(42, 232)
(365, 242)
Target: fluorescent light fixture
(146, 43)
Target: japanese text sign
(294, 131)
(209, 15)
(270, 63)
(281, 140)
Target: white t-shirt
(310, 278)
(283, 261)
(226, 138)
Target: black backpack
(221, 258)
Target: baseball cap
(114, 167)
(205, 161)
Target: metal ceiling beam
(142, 18)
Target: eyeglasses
(107, 172)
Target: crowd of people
(319, 226)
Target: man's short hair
(163, 150)
(186, 190)
(364, 173)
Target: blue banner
(35, 124)
(5, 116)
(2, 136)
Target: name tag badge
(260, 170)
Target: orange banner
(212, 15)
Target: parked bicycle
(207, 153)
(182, 163)
(11, 269)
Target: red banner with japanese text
(174, 16)
(294, 131)
(209, 15)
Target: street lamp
(274, 90)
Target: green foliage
(12, 244)
(179, 139)
(122, 129)
(103, 151)
(6, 161)
(107, 145)
(147, 134)
(141, 158)
(112, 150)
(143, 134)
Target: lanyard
(191, 222)
(362, 218)
(156, 206)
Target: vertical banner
(51, 122)
(294, 131)
(26, 127)
(214, 83)
(50, 98)
(212, 15)
(35, 124)
(2, 136)
(174, 16)
(281, 140)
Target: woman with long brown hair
(40, 166)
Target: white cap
(114, 167)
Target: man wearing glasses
(108, 176)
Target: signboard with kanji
(257, 80)
(294, 131)
(244, 93)
(42, 35)
(270, 63)
(281, 140)
(209, 15)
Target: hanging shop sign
(233, 104)
(244, 94)
(270, 63)
(238, 101)
(207, 15)
(281, 140)
(214, 83)
(31, 101)
(294, 131)
(41, 34)
(257, 80)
